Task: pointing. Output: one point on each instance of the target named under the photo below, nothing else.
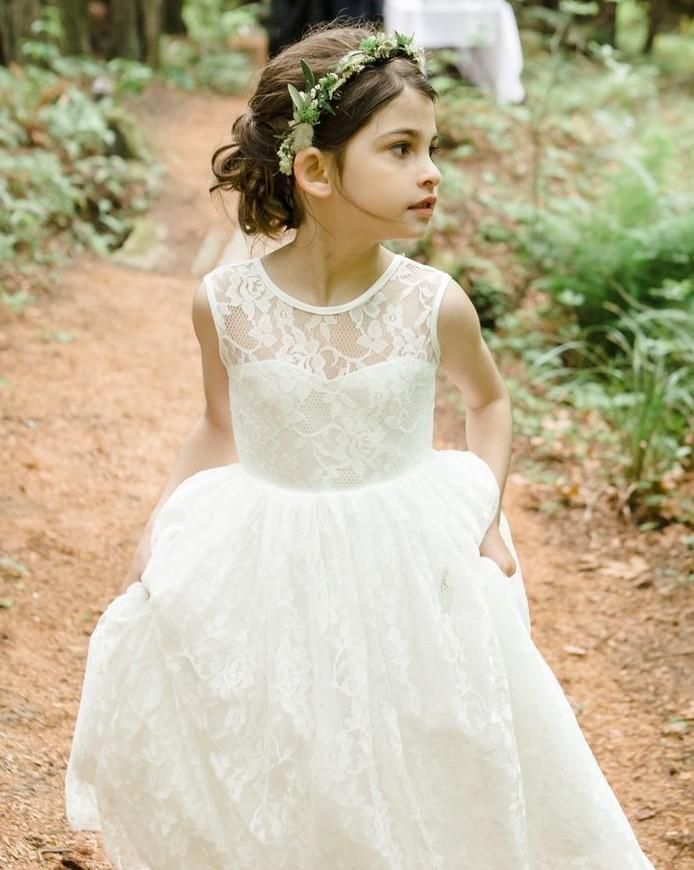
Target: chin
(410, 234)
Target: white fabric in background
(484, 31)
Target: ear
(312, 172)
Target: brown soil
(91, 427)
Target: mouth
(426, 205)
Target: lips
(428, 202)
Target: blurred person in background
(289, 18)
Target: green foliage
(215, 22)
(628, 244)
(16, 302)
(189, 66)
(674, 52)
(117, 76)
(73, 172)
(76, 124)
(204, 59)
(632, 26)
(35, 197)
(640, 377)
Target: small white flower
(379, 47)
(286, 157)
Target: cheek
(362, 167)
(363, 184)
(373, 185)
(373, 178)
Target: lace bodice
(329, 396)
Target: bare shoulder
(201, 304)
(465, 356)
(215, 378)
(458, 321)
(203, 320)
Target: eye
(404, 147)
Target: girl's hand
(140, 559)
(494, 547)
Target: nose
(431, 175)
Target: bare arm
(210, 442)
(467, 361)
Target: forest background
(567, 217)
(579, 254)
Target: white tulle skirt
(334, 680)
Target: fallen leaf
(625, 570)
(677, 726)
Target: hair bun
(266, 201)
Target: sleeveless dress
(318, 670)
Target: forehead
(410, 109)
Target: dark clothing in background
(290, 18)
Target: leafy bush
(215, 22)
(204, 59)
(117, 76)
(638, 374)
(190, 66)
(628, 245)
(73, 170)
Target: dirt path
(90, 429)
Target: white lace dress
(318, 670)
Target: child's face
(388, 170)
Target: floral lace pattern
(334, 398)
(318, 670)
(392, 318)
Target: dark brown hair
(249, 164)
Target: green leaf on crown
(297, 99)
(308, 74)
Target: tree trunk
(152, 21)
(656, 13)
(125, 34)
(173, 17)
(16, 17)
(76, 26)
(99, 28)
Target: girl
(322, 657)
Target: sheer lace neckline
(328, 309)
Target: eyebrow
(405, 131)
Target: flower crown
(317, 96)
